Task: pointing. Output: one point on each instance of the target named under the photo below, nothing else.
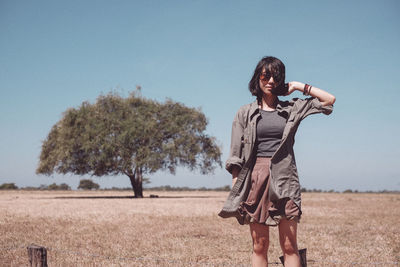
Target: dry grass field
(183, 229)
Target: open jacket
(284, 181)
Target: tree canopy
(130, 136)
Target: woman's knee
(260, 245)
(289, 246)
(260, 236)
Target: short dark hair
(276, 68)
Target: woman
(265, 185)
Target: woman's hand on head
(293, 86)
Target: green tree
(87, 184)
(130, 136)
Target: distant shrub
(185, 188)
(53, 187)
(316, 190)
(87, 184)
(29, 188)
(223, 188)
(348, 191)
(42, 187)
(62, 186)
(303, 190)
(114, 188)
(8, 186)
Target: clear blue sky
(57, 54)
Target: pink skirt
(258, 207)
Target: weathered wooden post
(37, 256)
(303, 258)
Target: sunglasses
(266, 76)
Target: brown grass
(183, 229)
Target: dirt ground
(106, 228)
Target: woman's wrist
(299, 86)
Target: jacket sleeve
(236, 151)
(312, 105)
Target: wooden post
(37, 256)
(303, 258)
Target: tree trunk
(139, 179)
(136, 182)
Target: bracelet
(309, 90)
(306, 89)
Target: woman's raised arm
(324, 97)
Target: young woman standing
(265, 184)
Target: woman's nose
(271, 80)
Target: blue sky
(57, 54)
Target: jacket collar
(282, 106)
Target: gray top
(270, 128)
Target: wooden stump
(37, 256)
(303, 257)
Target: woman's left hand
(293, 86)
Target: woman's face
(267, 82)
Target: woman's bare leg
(288, 241)
(260, 234)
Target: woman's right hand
(235, 174)
(234, 181)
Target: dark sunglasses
(266, 76)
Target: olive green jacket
(283, 171)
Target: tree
(130, 136)
(87, 184)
